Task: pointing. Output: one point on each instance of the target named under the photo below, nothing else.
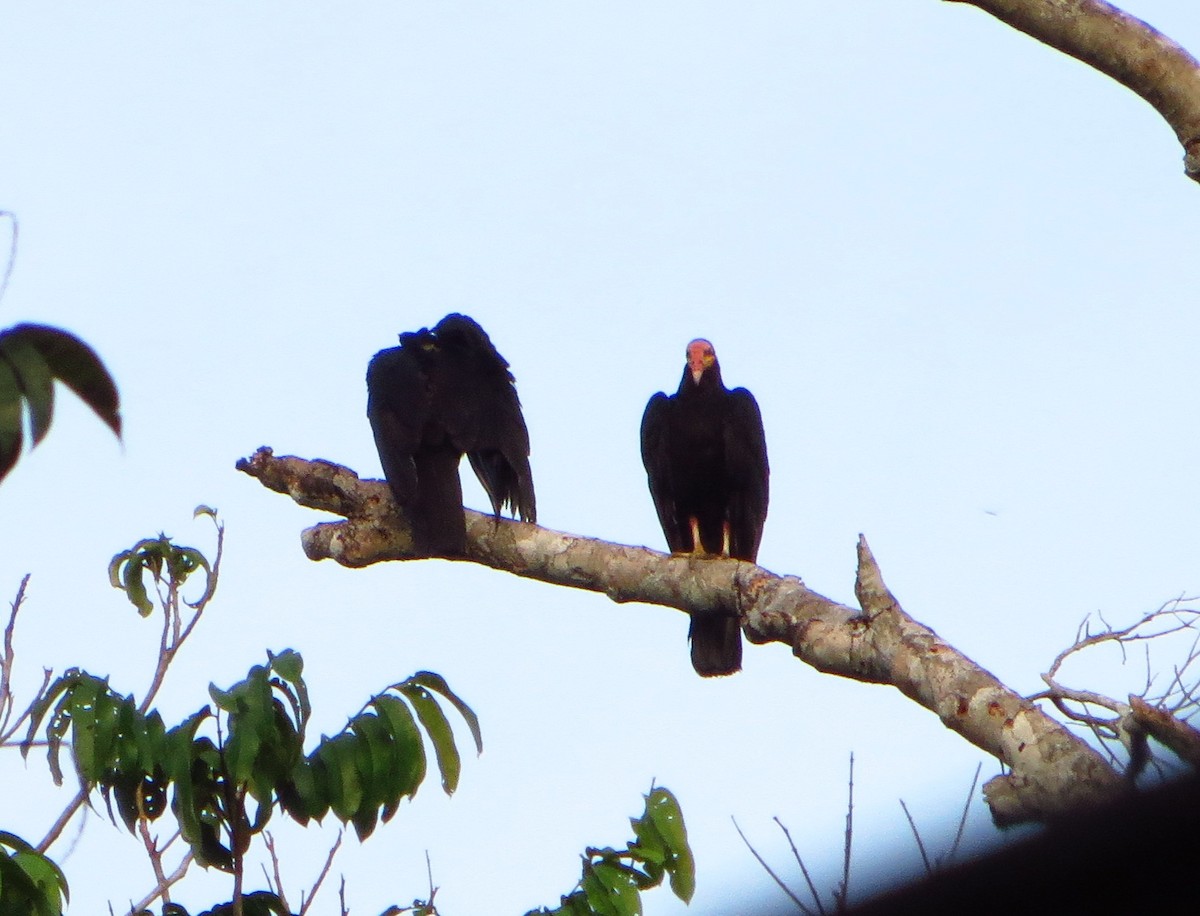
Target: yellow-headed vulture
(706, 461)
(441, 394)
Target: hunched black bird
(706, 462)
(441, 394)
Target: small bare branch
(6, 661)
(843, 895)
(19, 723)
(63, 819)
(767, 868)
(912, 825)
(812, 888)
(962, 821)
(305, 904)
(278, 890)
(174, 878)
(1162, 716)
(155, 856)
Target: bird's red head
(700, 356)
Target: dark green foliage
(113, 745)
(228, 766)
(163, 560)
(612, 881)
(32, 356)
(29, 882)
(259, 903)
(224, 792)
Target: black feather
(705, 455)
(441, 394)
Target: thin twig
(432, 890)
(1178, 698)
(962, 821)
(174, 878)
(844, 895)
(155, 855)
(12, 251)
(812, 888)
(761, 861)
(63, 819)
(47, 674)
(6, 663)
(305, 904)
(917, 836)
(270, 842)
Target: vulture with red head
(706, 462)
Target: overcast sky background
(957, 269)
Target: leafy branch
(613, 880)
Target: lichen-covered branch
(1051, 770)
(1130, 51)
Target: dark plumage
(706, 461)
(441, 394)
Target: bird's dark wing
(749, 474)
(508, 481)
(398, 409)
(476, 401)
(656, 457)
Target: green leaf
(438, 728)
(621, 887)
(31, 357)
(106, 716)
(81, 704)
(410, 751)
(650, 846)
(344, 785)
(131, 581)
(77, 366)
(379, 766)
(59, 722)
(183, 561)
(34, 379)
(663, 809)
(288, 664)
(197, 802)
(29, 881)
(601, 897)
(11, 430)
(437, 683)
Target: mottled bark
(1168, 730)
(1051, 770)
(1132, 52)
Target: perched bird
(706, 462)
(441, 394)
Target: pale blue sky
(956, 268)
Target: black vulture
(441, 394)
(706, 461)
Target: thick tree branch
(1132, 52)
(1052, 771)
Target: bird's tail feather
(716, 645)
